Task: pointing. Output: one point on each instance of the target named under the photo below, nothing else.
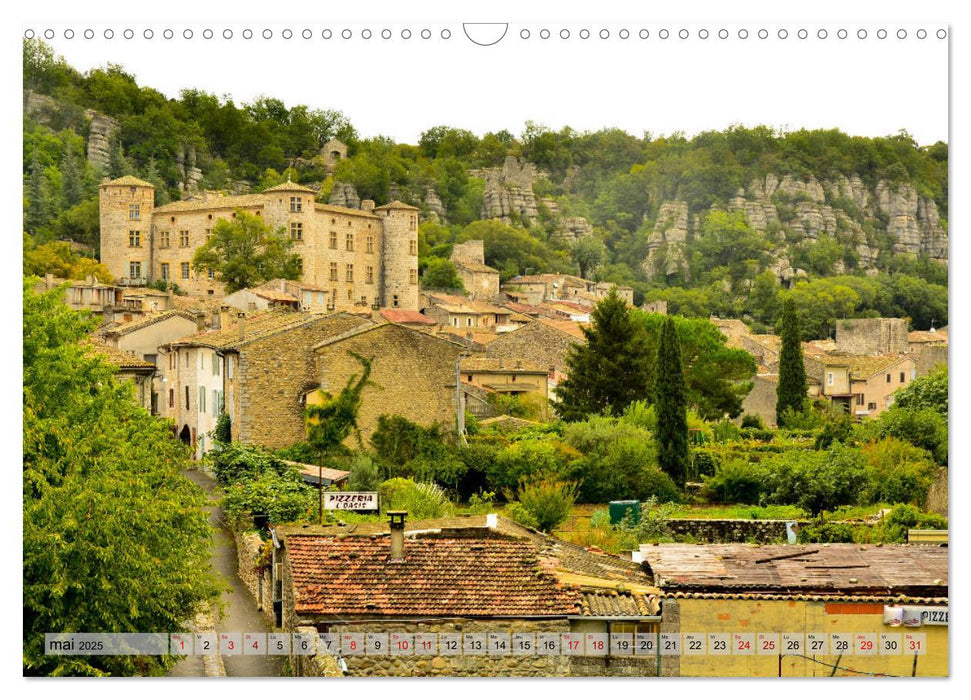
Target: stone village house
(458, 575)
(263, 368)
(730, 593)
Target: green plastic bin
(619, 510)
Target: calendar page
(389, 342)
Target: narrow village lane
(241, 614)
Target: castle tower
(126, 207)
(399, 257)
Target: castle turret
(399, 257)
(126, 207)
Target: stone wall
(412, 375)
(872, 336)
(730, 530)
(271, 378)
(929, 357)
(259, 584)
(937, 495)
(762, 399)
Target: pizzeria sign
(351, 500)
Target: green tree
(672, 407)
(115, 539)
(929, 391)
(440, 274)
(589, 254)
(611, 370)
(792, 389)
(246, 252)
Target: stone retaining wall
(730, 530)
(259, 585)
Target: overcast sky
(401, 87)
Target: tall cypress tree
(612, 370)
(671, 404)
(792, 389)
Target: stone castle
(365, 257)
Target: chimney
(225, 319)
(241, 323)
(397, 523)
(367, 205)
(200, 321)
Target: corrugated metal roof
(823, 568)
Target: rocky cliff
(789, 210)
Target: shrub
(640, 414)
(526, 459)
(705, 463)
(923, 427)
(365, 475)
(725, 431)
(737, 481)
(904, 517)
(752, 420)
(758, 434)
(237, 462)
(897, 472)
(299, 452)
(223, 433)
(816, 481)
(476, 456)
(653, 526)
(282, 499)
(546, 501)
(482, 502)
(837, 427)
(419, 499)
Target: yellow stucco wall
(731, 616)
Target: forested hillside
(726, 222)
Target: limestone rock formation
(99, 138)
(666, 243)
(344, 194)
(572, 229)
(435, 206)
(508, 191)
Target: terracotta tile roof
(344, 211)
(406, 316)
(574, 328)
(466, 565)
(290, 187)
(122, 359)
(866, 367)
(150, 320)
(257, 326)
(507, 422)
(396, 204)
(461, 305)
(473, 266)
(476, 336)
(828, 568)
(465, 576)
(548, 278)
(271, 292)
(237, 201)
(598, 603)
(530, 309)
(206, 303)
(927, 337)
(128, 180)
(494, 364)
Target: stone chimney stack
(397, 523)
(367, 205)
(200, 320)
(241, 324)
(225, 318)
